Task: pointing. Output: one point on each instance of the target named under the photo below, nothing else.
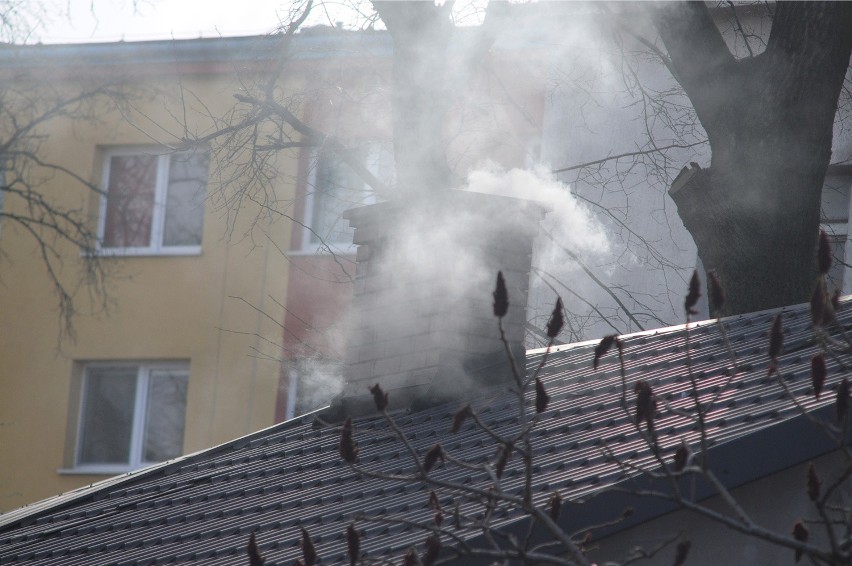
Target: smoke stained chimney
(422, 323)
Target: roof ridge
(680, 327)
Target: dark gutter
(308, 45)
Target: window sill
(98, 470)
(323, 252)
(148, 252)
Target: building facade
(185, 353)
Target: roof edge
(61, 500)
(679, 327)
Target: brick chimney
(422, 323)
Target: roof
(202, 507)
(202, 54)
(227, 54)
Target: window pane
(835, 198)
(338, 188)
(838, 267)
(166, 414)
(185, 201)
(130, 200)
(107, 420)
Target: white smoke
(570, 222)
(570, 233)
(318, 381)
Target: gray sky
(76, 21)
(113, 20)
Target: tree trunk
(431, 68)
(755, 221)
(754, 215)
(421, 34)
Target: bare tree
(20, 19)
(462, 511)
(31, 104)
(55, 224)
(769, 119)
(268, 120)
(265, 121)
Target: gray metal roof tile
(202, 507)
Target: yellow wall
(163, 307)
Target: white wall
(776, 503)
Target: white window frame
(158, 214)
(840, 230)
(292, 392)
(140, 407)
(310, 247)
(298, 373)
